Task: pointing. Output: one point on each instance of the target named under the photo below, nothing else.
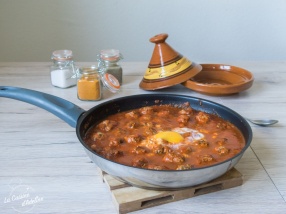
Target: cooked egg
(194, 135)
(176, 135)
(174, 138)
(170, 136)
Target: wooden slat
(127, 198)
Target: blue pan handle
(63, 109)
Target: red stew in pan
(165, 137)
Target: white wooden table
(41, 158)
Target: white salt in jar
(63, 69)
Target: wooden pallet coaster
(127, 198)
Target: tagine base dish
(219, 79)
(127, 198)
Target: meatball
(185, 150)
(202, 117)
(145, 117)
(132, 114)
(202, 143)
(97, 136)
(149, 131)
(156, 167)
(107, 125)
(187, 111)
(133, 139)
(93, 147)
(140, 162)
(222, 142)
(221, 125)
(205, 159)
(114, 142)
(148, 124)
(183, 119)
(146, 110)
(163, 113)
(184, 167)
(222, 150)
(112, 153)
(131, 125)
(139, 150)
(186, 105)
(173, 158)
(160, 149)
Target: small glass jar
(90, 82)
(63, 69)
(109, 59)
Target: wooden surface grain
(42, 159)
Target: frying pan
(145, 178)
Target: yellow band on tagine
(168, 70)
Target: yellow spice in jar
(88, 88)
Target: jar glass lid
(62, 55)
(93, 69)
(110, 82)
(110, 55)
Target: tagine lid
(167, 67)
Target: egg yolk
(170, 136)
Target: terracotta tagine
(220, 79)
(167, 67)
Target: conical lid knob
(167, 67)
(163, 53)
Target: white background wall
(202, 30)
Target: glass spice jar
(88, 84)
(109, 59)
(90, 81)
(63, 69)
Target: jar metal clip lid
(110, 82)
(108, 55)
(62, 55)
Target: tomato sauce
(165, 137)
